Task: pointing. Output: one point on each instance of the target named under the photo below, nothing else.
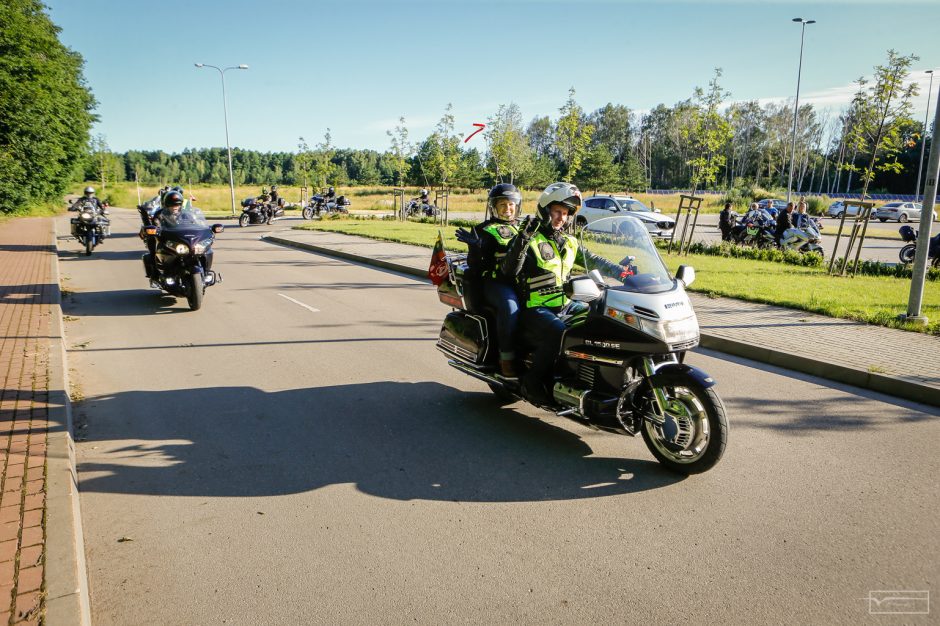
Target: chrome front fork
(659, 396)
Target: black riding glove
(469, 237)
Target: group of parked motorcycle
(758, 228)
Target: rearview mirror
(582, 289)
(217, 228)
(686, 274)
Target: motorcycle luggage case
(464, 336)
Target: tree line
(702, 142)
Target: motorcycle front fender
(698, 375)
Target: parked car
(772, 205)
(599, 207)
(837, 208)
(900, 212)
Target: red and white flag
(437, 272)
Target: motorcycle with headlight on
(90, 227)
(620, 365)
(180, 260)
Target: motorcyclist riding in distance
(88, 196)
(540, 259)
(487, 243)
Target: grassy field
(876, 300)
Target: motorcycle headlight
(85, 215)
(202, 246)
(178, 248)
(674, 331)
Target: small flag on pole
(437, 272)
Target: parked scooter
(620, 364)
(91, 227)
(906, 255)
(256, 212)
(180, 261)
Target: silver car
(599, 207)
(901, 212)
(837, 208)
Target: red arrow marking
(481, 127)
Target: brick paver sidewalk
(26, 296)
(894, 355)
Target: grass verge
(872, 299)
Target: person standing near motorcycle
(539, 260)
(800, 218)
(784, 223)
(487, 243)
(726, 222)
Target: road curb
(67, 599)
(889, 385)
(388, 265)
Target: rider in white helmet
(540, 259)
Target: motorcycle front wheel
(244, 220)
(695, 434)
(906, 255)
(307, 213)
(89, 246)
(196, 291)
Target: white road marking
(306, 306)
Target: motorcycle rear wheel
(702, 424)
(906, 255)
(196, 291)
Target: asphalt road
(298, 452)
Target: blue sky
(356, 66)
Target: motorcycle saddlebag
(464, 336)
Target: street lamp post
(923, 138)
(796, 105)
(231, 174)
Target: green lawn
(873, 299)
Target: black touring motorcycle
(620, 365)
(91, 227)
(180, 257)
(255, 212)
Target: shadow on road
(402, 441)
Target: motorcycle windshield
(624, 240)
(187, 219)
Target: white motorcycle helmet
(89, 192)
(559, 193)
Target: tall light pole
(796, 105)
(231, 174)
(923, 138)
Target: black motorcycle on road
(257, 212)
(319, 204)
(620, 366)
(180, 257)
(417, 208)
(91, 227)
(906, 255)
